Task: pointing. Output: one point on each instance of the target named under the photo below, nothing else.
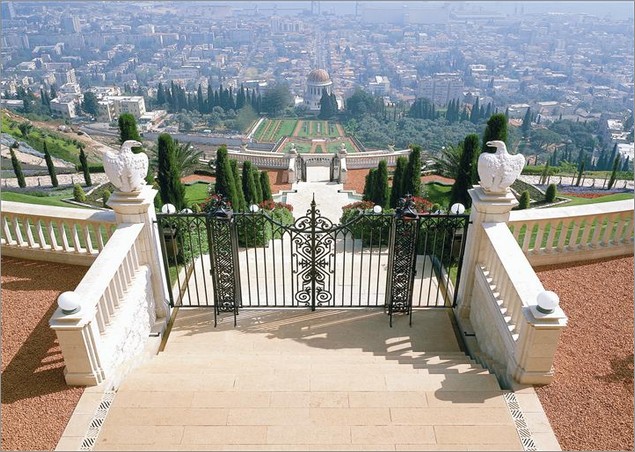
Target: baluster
(551, 237)
(109, 302)
(628, 233)
(18, 231)
(103, 308)
(564, 230)
(573, 239)
(99, 317)
(619, 233)
(50, 228)
(117, 290)
(29, 233)
(584, 240)
(608, 231)
(61, 229)
(76, 242)
(538, 242)
(6, 228)
(101, 231)
(87, 237)
(40, 233)
(528, 232)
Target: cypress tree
(265, 186)
(225, 184)
(240, 196)
(580, 171)
(616, 163)
(17, 167)
(50, 166)
(466, 172)
(128, 130)
(369, 185)
(412, 181)
(526, 126)
(496, 129)
(83, 160)
(381, 195)
(396, 191)
(248, 183)
(550, 194)
(171, 189)
(626, 161)
(257, 189)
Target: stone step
(307, 381)
(169, 367)
(313, 399)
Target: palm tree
(447, 163)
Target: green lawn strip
(58, 146)
(287, 128)
(438, 193)
(55, 200)
(196, 193)
(264, 125)
(579, 201)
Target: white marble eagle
(499, 170)
(126, 171)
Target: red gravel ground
(356, 178)
(590, 401)
(36, 402)
(275, 180)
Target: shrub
(78, 193)
(105, 196)
(523, 202)
(550, 194)
(371, 229)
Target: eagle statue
(499, 170)
(126, 171)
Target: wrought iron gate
(230, 261)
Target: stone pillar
(343, 176)
(486, 208)
(79, 339)
(138, 207)
(533, 359)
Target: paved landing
(327, 197)
(301, 380)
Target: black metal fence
(240, 260)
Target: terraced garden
(271, 130)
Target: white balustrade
(59, 234)
(569, 234)
(90, 344)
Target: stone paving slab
(355, 405)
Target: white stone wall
(128, 333)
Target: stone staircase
(301, 380)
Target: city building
(317, 80)
(441, 88)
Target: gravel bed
(36, 402)
(590, 401)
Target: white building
(441, 88)
(66, 108)
(111, 107)
(379, 85)
(317, 80)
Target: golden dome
(318, 76)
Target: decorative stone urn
(499, 170)
(125, 170)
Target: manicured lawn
(438, 193)
(55, 200)
(196, 193)
(578, 201)
(271, 130)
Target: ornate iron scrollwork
(402, 259)
(313, 243)
(223, 246)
